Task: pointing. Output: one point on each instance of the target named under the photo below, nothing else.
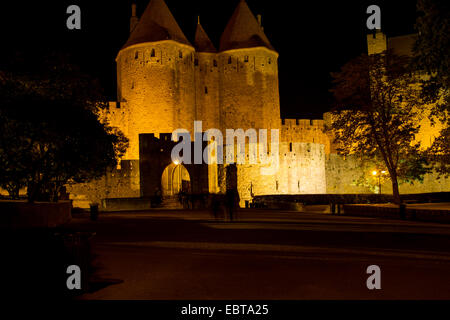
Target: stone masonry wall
(248, 89)
(120, 182)
(157, 82)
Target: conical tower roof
(202, 42)
(243, 31)
(156, 23)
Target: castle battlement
(302, 123)
(305, 131)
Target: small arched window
(180, 54)
(152, 54)
(215, 63)
(246, 59)
(229, 60)
(290, 147)
(206, 90)
(136, 55)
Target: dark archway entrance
(155, 158)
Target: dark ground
(264, 255)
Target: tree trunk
(31, 192)
(396, 193)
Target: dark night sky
(313, 38)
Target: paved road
(265, 255)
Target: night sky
(313, 38)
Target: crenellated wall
(305, 130)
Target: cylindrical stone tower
(155, 76)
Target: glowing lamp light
(383, 172)
(374, 173)
(176, 162)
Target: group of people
(221, 203)
(229, 202)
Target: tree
(375, 115)
(432, 56)
(50, 132)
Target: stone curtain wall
(302, 155)
(121, 182)
(302, 170)
(305, 130)
(342, 174)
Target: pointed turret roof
(156, 23)
(202, 42)
(243, 31)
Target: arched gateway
(158, 172)
(174, 180)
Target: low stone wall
(126, 204)
(283, 205)
(393, 212)
(22, 214)
(324, 199)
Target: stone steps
(171, 203)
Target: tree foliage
(376, 115)
(432, 56)
(50, 132)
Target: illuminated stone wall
(207, 89)
(248, 89)
(121, 182)
(156, 82)
(165, 85)
(342, 173)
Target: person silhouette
(232, 200)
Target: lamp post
(379, 178)
(376, 173)
(176, 163)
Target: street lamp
(176, 163)
(375, 173)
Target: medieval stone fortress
(166, 82)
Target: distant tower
(259, 17)
(206, 80)
(134, 19)
(248, 88)
(376, 42)
(155, 78)
(249, 74)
